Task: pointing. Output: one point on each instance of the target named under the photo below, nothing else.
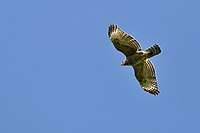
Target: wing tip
(112, 28)
(152, 90)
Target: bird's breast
(136, 58)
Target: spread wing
(146, 76)
(122, 41)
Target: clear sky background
(59, 72)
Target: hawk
(135, 57)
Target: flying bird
(135, 57)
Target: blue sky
(60, 73)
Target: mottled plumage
(143, 67)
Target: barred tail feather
(154, 50)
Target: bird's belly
(136, 59)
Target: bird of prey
(135, 57)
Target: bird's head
(125, 63)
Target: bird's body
(136, 58)
(143, 67)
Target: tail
(153, 50)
